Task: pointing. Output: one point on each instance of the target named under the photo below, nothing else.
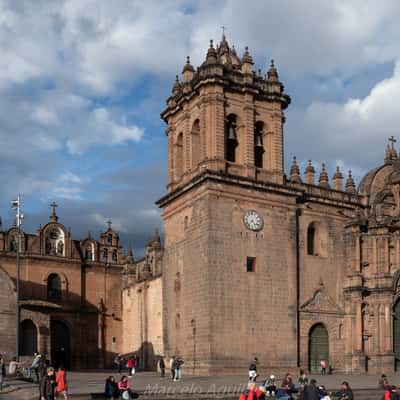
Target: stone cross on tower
(393, 141)
(53, 216)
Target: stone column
(248, 137)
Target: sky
(83, 83)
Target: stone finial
(247, 62)
(310, 173)
(188, 71)
(211, 57)
(247, 57)
(323, 177)
(177, 88)
(338, 179)
(129, 257)
(272, 72)
(350, 184)
(295, 172)
(157, 239)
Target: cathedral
(290, 268)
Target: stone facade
(69, 297)
(291, 269)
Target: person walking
(61, 380)
(2, 372)
(161, 366)
(323, 366)
(111, 389)
(35, 366)
(48, 385)
(118, 362)
(253, 370)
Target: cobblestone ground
(81, 383)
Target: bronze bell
(231, 133)
(258, 141)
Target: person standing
(35, 366)
(130, 364)
(61, 380)
(161, 366)
(172, 367)
(48, 385)
(323, 366)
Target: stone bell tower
(226, 118)
(225, 149)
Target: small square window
(251, 264)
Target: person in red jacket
(61, 380)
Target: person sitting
(383, 382)
(270, 386)
(111, 389)
(345, 393)
(283, 392)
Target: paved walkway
(149, 383)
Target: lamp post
(16, 205)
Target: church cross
(53, 205)
(393, 140)
(223, 30)
(109, 223)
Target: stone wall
(142, 322)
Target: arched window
(54, 287)
(317, 239)
(89, 252)
(196, 146)
(110, 239)
(55, 244)
(231, 141)
(311, 240)
(28, 338)
(114, 256)
(258, 144)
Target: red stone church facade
(70, 295)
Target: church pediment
(321, 302)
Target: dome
(382, 187)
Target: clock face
(253, 220)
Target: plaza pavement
(81, 384)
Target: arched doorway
(28, 338)
(60, 344)
(396, 335)
(318, 348)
